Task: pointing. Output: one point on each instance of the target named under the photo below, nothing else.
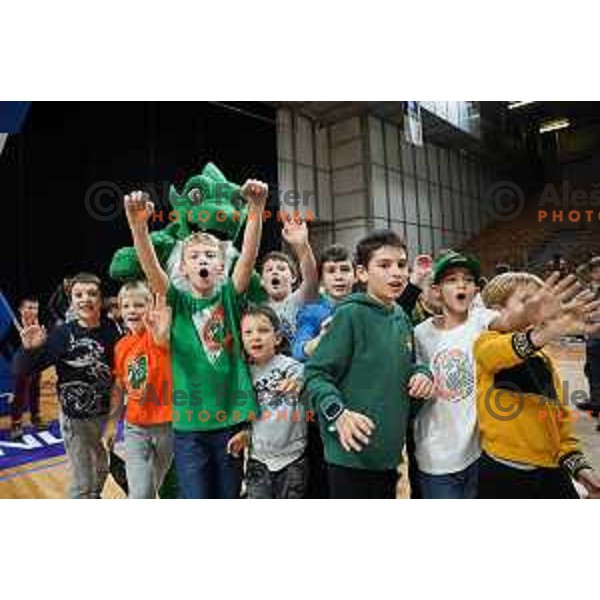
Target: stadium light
(519, 103)
(554, 125)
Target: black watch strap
(332, 409)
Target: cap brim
(469, 264)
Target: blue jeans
(204, 469)
(461, 485)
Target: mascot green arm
(125, 265)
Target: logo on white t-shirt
(453, 375)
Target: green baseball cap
(453, 259)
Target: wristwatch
(332, 410)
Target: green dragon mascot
(207, 202)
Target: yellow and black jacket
(521, 411)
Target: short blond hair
(135, 287)
(202, 237)
(502, 287)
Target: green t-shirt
(212, 388)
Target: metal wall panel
(392, 146)
(376, 141)
(304, 141)
(410, 199)
(424, 213)
(379, 192)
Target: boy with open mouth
(446, 434)
(213, 390)
(446, 445)
(280, 275)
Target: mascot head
(208, 202)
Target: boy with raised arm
(213, 394)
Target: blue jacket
(308, 324)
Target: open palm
(158, 321)
(295, 231)
(33, 336)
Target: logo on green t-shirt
(212, 332)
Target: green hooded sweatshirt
(364, 363)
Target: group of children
(294, 385)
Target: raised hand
(138, 208)
(30, 320)
(545, 304)
(578, 315)
(584, 306)
(256, 193)
(551, 299)
(295, 231)
(421, 268)
(571, 316)
(158, 321)
(33, 336)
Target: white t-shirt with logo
(287, 311)
(446, 434)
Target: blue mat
(34, 446)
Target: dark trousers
(204, 469)
(27, 394)
(347, 483)
(499, 481)
(413, 468)
(592, 369)
(287, 484)
(318, 487)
